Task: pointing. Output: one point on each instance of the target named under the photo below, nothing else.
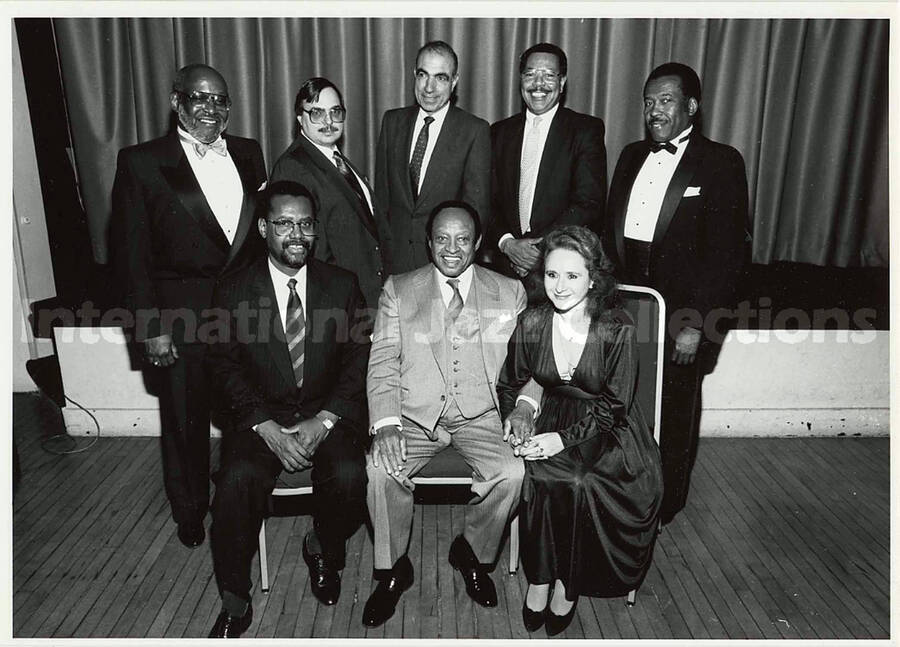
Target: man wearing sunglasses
(182, 216)
(353, 232)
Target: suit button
(380, 273)
(297, 416)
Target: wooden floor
(782, 538)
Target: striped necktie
(295, 331)
(528, 173)
(456, 302)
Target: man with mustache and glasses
(289, 372)
(353, 232)
(677, 222)
(182, 212)
(428, 153)
(439, 343)
(548, 166)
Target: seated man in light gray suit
(439, 343)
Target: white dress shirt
(283, 293)
(434, 130)
(328, 152)
(649, 189)
(219, 180)
(543, 131)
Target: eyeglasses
(548, 75)
(317, 115)
(198, 98)
(285, 227)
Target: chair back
(646, 309)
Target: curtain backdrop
(804, 101)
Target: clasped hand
(523, 253)
(540, 447)
(294, 446)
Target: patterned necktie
(295, 331)
(456, 302)
(415, 164)
(218, 147)
(348, 174)
(528, 174)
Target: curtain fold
(805, 101)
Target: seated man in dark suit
(289, 370)
(548, 165)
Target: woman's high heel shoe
(557, 624)
(533, 620)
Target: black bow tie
(655, 147)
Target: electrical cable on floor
(72, 448)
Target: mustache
(299, 241)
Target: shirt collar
(280, 279)
(546, 118)
(465, 279)
(186, 136)
(439, 116)
(327, 151)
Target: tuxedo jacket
(699, 243)
(348, 235)
(459, 169)
(571, 179)
(249, 364)
(405, 377)
(166, 244)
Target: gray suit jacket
(405, 378)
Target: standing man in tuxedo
(353, 232)
(548, 165)
(429, 153)
(439, 344)
(289, 373)
(678, 212)
(182, 216)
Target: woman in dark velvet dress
(593, 483)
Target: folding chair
(646, 309)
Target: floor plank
(781, 538)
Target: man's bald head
(200, 99)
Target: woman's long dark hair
(601, 297)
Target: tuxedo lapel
(245, 222)
(181, 179)
(620, 207)
(685, 171)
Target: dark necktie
(341, 163)
(456, 302)
(415, 164)
(669, 147)
(295, 331)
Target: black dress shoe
(479, 585)
(533, 620)
(228, 626)
(383, 601)
(557, 624)
(191, 534)
(324, 581)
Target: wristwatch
(326, 422)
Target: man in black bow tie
(677, 217)
(353, 232)
(182, 210)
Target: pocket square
(691, 191)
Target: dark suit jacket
(459, 170)
(349, 236)
(250, 366)
(571, 181)
(166, 244)
(699, 243)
